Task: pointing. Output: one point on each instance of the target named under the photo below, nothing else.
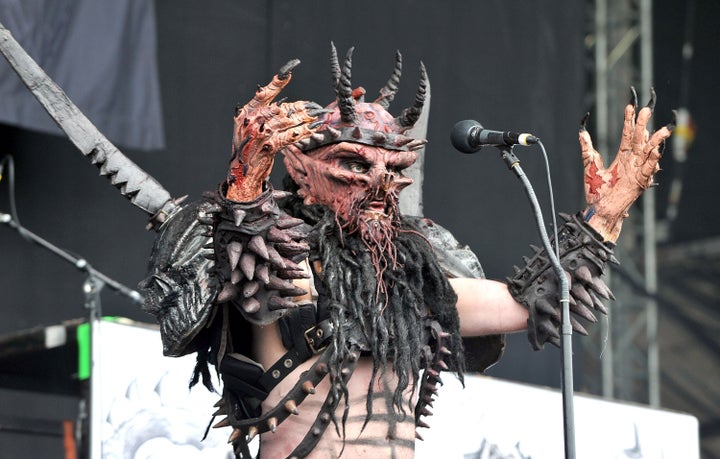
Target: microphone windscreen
(461, 134)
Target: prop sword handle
(133, 182)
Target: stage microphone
(469, 136)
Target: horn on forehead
(387, 92)
(343, 89)
(410, 115)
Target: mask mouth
(376, 209)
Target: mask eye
(357, 167)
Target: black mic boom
(469, 136)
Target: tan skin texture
(484, 306)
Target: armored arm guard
(583, 256)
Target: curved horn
(346, 104)
(387, 92)
(410, 115)
(334, 65)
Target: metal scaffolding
(621, 361)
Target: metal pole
(650, 240)
(601, 108)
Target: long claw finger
(583, 122)
(286, 69)
(671, 125)
(653, 99)
(633, 97)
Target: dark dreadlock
(391, 327)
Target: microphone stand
(92, 287)
(513, 164)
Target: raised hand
(262, 129)
(611, 191)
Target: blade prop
(132, 182)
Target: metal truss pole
(621, 40)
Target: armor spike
(316, 431)
(228, 293)
(357, 133)
(278, 302)
(379, 138)
(234, 250)
(548, 329)
(308, 387)
(322, 369)
(423, 424)
(223, 423)
(275, 258)
(583, 273)
(219, 403)
(442, 365)
(293, 292)
(545, 307)
(424, 411)
(292, 248)
(410, 115)
(535, 248)
(287, 221)
(387, 92)
(601, 288)
(234, 435)
(581, 310)
(250, 289)
(291, 407)
(581, 294)
(272, 424)
(221, 411)
(251, 305)
(334, 133)
(275, 234)
(252, 433)
(209, 246)
(598, 305)
(209, 255)
(247, 265)
(238, 216)
(208, 233)
(577, 327)
(235, 276)
(262, 272)
(276, 283)
(418, 436)
(318, 137)
(257, 245)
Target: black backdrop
(510, 64)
